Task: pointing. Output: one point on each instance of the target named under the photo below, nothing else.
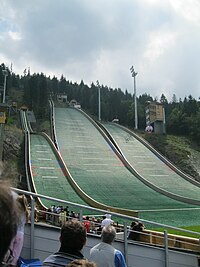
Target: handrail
(29, 176)
(26, 126)
(52, 123)
(103, 211)
(153, 238)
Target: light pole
(5, 73)
(135, 96)
(99, 100)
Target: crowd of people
(58, 215)
(14, 214)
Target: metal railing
(164, 240)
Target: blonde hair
(22, 204)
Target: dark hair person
(72, 236)
(72, 239)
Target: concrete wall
(158, 127)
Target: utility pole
(133, 73)
(99, 99)
(5, 73)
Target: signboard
(159, 112)
(2, 117)
(4, 108)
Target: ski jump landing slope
(99, 172)
(150, 164)
(47, 174)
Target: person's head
(141, 226)
(108, 234)
(73, 236)
(81, 263)
(108, 216)
(133, 224)
(8, 219)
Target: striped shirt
(60, 259)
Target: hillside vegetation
(180, 150)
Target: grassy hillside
(180, 150)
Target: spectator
(104, 254)
(8, 223)
(149, 129)
(62, 217)
(98, 228)
(107, 221)
(72, 239)
(18, 241)
(72, 214)
(66, 210)
(93, 225)
(53, 211)
(86, 222)
(81, 263)
(48, 215)
(136, 228)
(36, 215)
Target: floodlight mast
(5, 73)
(99, 99)
(133, 73)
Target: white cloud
(159, 43)
(189, 9)
(16, 36)
(101, 39)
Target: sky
(100, 40)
